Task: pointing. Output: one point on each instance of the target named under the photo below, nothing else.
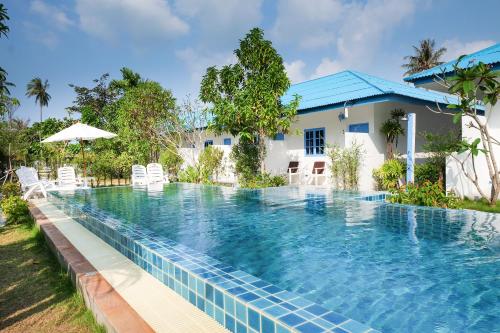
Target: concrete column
(410, 153)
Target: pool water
(396, 268)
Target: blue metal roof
(489, 56)
(355, 87)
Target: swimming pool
(395, 268)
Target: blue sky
(173, 41)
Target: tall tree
(4, 29)
(426, 56)
(245, 97)
(36, 87)
(4, 84)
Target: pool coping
(109, 308)
(191, 274)
(103, 297)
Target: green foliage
(4, 29)
(122, 165)
(245, 97)
(245, 156)
(171, 160)
(428, 171)
(426, 56)
(210, 162)
(392, 129)
(262, 180)
(16, 210)
(10, 189)
(389, 174)
(426, 194)
(345, 164)
(190, 175)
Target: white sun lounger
(155, 173)
(139, 175)
(66, 178)
(30, 184)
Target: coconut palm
(426, 56)
(4, 29)
(36, 87)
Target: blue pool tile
(333, 317)
(262, 303)
(316, 309)
(300, 302)
(339, 330)
(309, 328)
(209, 292)
(192, 297)
(219, 316)
(254, 319)
(261, 292)
(200, 287)
(282, 329)
(230, 323)
(200, 303)
(192, 282)
(260, 284)
(272, 289)
(268, 325)
(229, 303)
(274, 299)
(237, 291)
(241, 312)
(219, 299)
(248, 297)
(285, 295)
(277, 311)
(288, 306)
(323, 323)
(355, 327)
(209, 309)
(240, 327)
(177, 273)
(292, 319)
(305, 314)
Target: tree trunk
(262, 151)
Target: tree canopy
(425, 56)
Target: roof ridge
(317, 78)
(356, 74)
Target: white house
(340, 109)
(429, 79)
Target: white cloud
(221, 22)
(354, 31)
(130, 19)
(53, 14)
(295, 71)
(456, 48)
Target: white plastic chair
(30, 184)
(139, 175)
(155, 173)
(66, 178)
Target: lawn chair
(66, 178)
(318, 171)
(30, 184)
(155, 173)
(293, 170)
(139, 175)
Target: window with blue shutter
(227, 141)
(359, 128)
(314, 141)
(279, 137)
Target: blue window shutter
(279, 137)
(227, 141)
(209, 143)
(359, 128)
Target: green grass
(36, 294)
(481, 205)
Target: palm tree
(39, 89)
(426, 56)
(392, 129)
(4, 29)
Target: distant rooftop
(355, 87)
(489, 56)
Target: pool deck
(123, 297)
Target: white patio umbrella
(80, 132)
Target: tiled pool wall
(239, 301)
(375, 197)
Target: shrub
(171, 161)
(388, 175)
(190, 175)
(210, 162)
(428, 171)
(11, 189)
(245, 155)
(261, 180)
(426, 194)
(345, 165)
(16, 210)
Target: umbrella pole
(84, 165)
